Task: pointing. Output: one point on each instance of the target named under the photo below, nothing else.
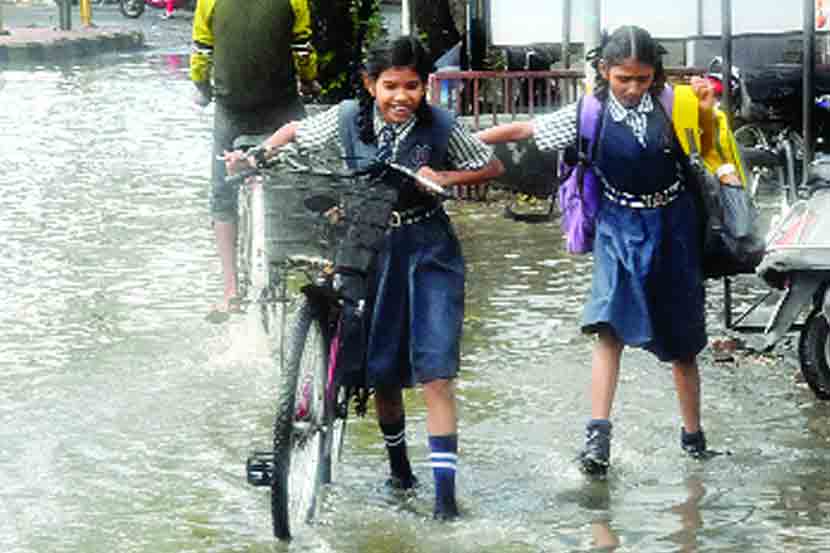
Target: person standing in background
(249, 59)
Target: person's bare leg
(687, 381)
(389, 404)
(605, 370)
(226, 245)
(439, 396)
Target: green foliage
(340, 46)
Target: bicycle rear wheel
(299, 429)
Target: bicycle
(774, 147)
(326, 225)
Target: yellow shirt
(201, 57)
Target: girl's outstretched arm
(508, 132)
(235, 160)
(282, 136)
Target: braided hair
(405, 51)
(627, 42)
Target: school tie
(386, 144)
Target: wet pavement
(125, 418)
(34, 36)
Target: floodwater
(125, 418)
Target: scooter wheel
(131, 8)
(813, 353)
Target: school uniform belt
(643, 201)
(412, 216)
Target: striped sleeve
(305, 56)
(557, 130)
(319, 131)
(465, 151)
(201, 55)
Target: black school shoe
(595, 457)
(445, 512)
(694, 444)
(402, 483)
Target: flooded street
(126, 419)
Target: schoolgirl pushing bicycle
(415, 324)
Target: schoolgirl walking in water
(416, 322)
(647, 285)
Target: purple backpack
(580, 189)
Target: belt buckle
(659, 200)
(395, 219)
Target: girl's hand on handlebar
(237, 161)
(437, 177)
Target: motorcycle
(134, 8)
(797, 261)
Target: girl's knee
(440, 388)
(686, 364)
(389, 403)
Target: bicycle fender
(802, 288)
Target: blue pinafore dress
(647, 279)
(417, 316)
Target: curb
(38, 45)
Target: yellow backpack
(686, 121)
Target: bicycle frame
(260, 274)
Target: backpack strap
(590, 118)
(691, 140)
(666, 98)
(346, 114)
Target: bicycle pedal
(259, 468)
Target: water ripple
(125, 419)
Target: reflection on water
(125, 418)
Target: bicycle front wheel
(300, 429)
(337, 402)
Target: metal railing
(497, 94)
(500, 94)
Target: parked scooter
(798, 262)
(134, 8)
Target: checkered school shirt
(465, 152)
(636, 117)
(557, 130)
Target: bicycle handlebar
(295, 166)
(430, 185)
